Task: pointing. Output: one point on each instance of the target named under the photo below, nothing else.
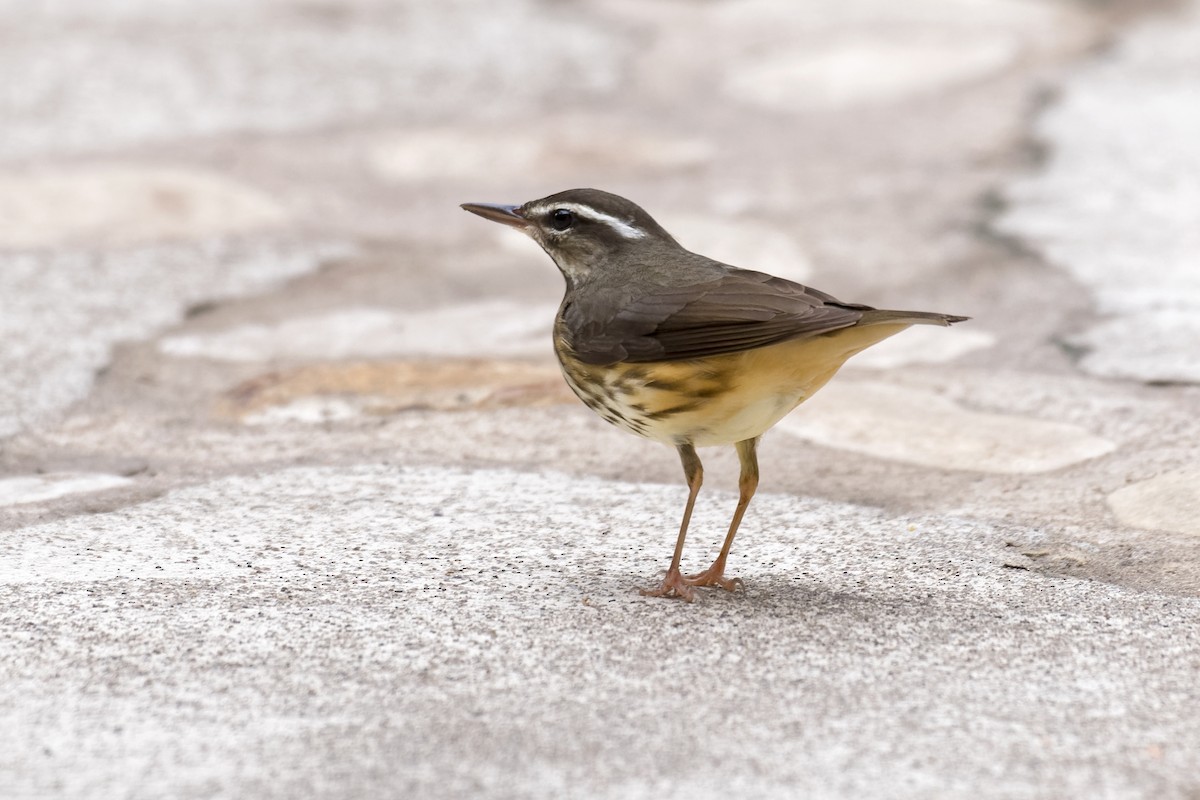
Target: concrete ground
(294, 503)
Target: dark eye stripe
(561, 219)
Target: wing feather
(734, 311)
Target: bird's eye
(561, 219)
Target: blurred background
(224, 222)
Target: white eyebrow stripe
(619, 225)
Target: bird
(681, 349)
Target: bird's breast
(714, 400)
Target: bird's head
(585, 231)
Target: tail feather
(877, 316)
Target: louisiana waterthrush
(684, 350)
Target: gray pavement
(1136, 178)
(450, 632)
(294, 503)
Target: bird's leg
(673, 584)
(747, 451)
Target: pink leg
(674, 584)
(715, 575)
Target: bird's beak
(509, 215)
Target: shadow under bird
(679, 348)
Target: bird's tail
(876, 316)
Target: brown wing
(739, 310)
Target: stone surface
(119, 205)
(1119, 199)
(920, 427)
(491, 328)
(1162, 345)
(325, 392)
(64, 311)
(49, 486)
(1167, 502)
(882, 69)
(545, 149)
(820, 57)
(924, 344)
(231, 66)
(379, 630)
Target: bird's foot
(715, 576)
(673, 585)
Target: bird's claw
(715, 576)
(673, 585)
(680, 586)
